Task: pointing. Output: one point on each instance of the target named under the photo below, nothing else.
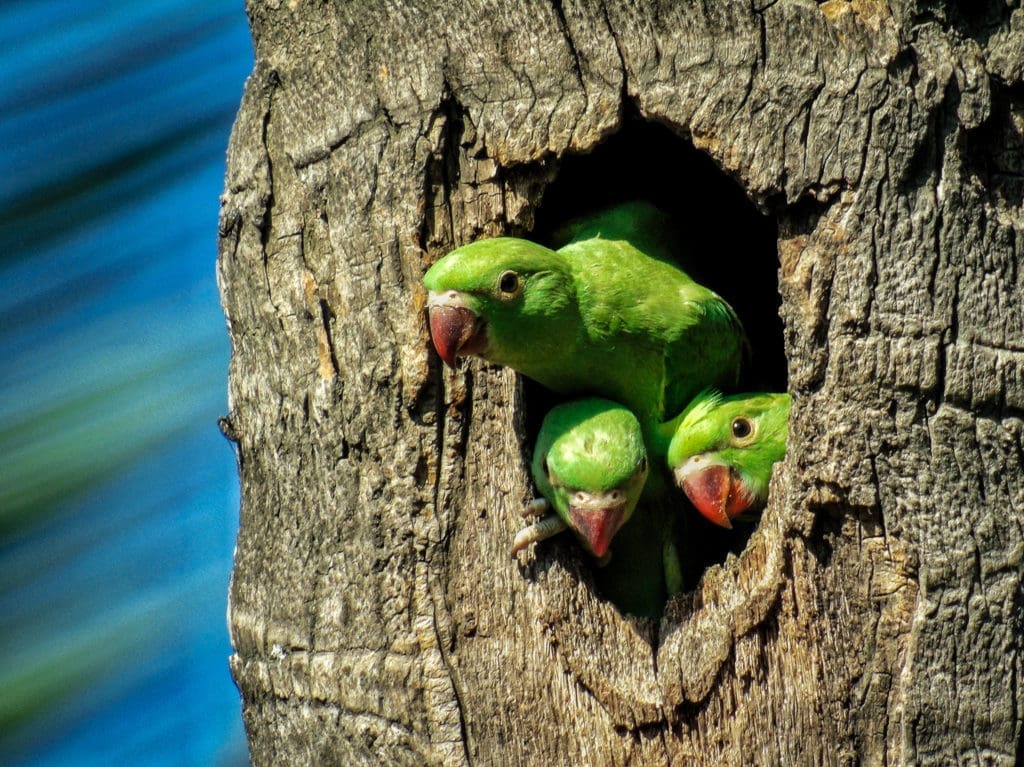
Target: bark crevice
(375, 614)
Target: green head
(591, 465)
(724, 448)
(500, 299)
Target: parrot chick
(608, 314)
(723, 451)
(590, 464)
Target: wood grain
(875, 616)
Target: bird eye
(642, 466)
(508, 283)
(742, 428)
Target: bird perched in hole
(607, 314)
(590, 466)
(723, 451)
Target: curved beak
(717, 490)
(596, 518)
(454, 327)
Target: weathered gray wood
(876, 615)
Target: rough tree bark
(874, 617)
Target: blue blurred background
(118, 495)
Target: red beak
(451, 328)
(597, 527)
(718, 493)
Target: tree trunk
(873, 617)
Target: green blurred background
(118, 495)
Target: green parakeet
(723, 451)
(590, 464)
(608, 314)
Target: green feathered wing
(608, 314)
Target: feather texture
(591, 464)
(607, 314)
(724, 449)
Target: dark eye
(547, 471)
(508, 283)
(742, 428)
(642, 466)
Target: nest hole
(731, 248)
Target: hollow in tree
(873, 616)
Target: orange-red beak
(717, 491)
(597, 526)
(454, 328)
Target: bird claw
(544, 528)
(537, 507)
